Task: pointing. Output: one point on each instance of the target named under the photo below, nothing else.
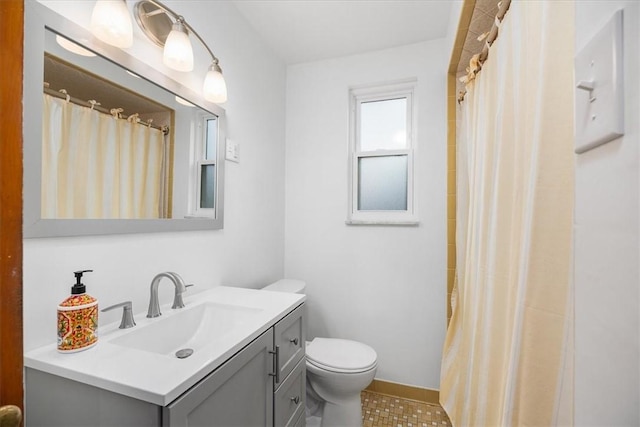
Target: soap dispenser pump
(77, 319)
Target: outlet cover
(233, 151)
(599, 91)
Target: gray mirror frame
(39, 18)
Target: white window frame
(358, 96)
(199, 161)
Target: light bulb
(178, 53)
(215, 88)
(111, 23)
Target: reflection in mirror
(106, 151)
(116, 153)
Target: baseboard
(405, 391)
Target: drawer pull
(296, 399)
(276, 364)
(294, 341)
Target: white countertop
(157, 378)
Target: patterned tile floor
(380, 410)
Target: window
(206, 153)
(381, 155)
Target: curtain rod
(95, 106)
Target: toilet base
(347, 414)
(313, 421)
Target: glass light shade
(111, 23)
(178, 53)
(72, 47)
(215, 88)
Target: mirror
(110, 145)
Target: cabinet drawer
(290, 398)
(289, 338)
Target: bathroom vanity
(247, 368)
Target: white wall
(249, 251)
(382, 285)
(607, 340)
(452, 29)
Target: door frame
(11, 142)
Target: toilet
(337, 371)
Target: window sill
(199, 217)
(409, 223)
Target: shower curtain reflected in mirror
(95, 165)
(507, 358)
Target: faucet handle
(177, 298)
(127, 314)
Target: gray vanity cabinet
(262, 385)
(239, 393)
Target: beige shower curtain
(507, 358)
(97, 166)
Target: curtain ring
(115, 112)
(133, 118)
(66, 94)
(149, 123)
(461, 95)
(483, 36)
(93, 103)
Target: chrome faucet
(154, 305)
(127, 314)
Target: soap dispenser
(77, 319)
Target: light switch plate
(233, 151)
(599, 92)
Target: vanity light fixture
(155, 20)
(170, 31)
(111, 23)
(178, 53)
(215, 89)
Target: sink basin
(191, 327)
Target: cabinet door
(239, 393)
(290, 341)
(55, 401)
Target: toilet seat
(341, 356)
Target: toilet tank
(291, 286)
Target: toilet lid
(341, 355)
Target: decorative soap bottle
(77, 319)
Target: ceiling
(311, 30)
